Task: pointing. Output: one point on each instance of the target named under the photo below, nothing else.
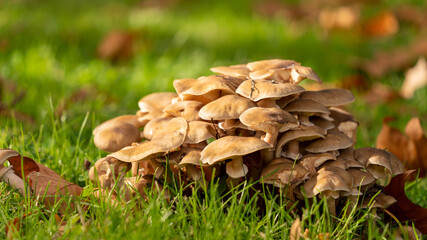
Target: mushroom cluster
(249, 121)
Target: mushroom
(204, 89)
(305, 108)
(109, 172)
(282, 75)
(154, 126)
(232, 147)
(233, 71)
(165, 140)
(313, 161)
(334, 140)
(293, 137)
(199, 131)
(189, 110)
(329, 97)
(155, 102)
(282, 172)
(299, 73)
(119, 132)
(256, 90)
(268, 120)
(271, 64)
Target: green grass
(51, 55)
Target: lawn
(54, 90)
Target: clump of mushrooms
(250, 121)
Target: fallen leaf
(117, 45)
(45, 183)
(13, 227)
(404, 209)
(343, 17)
(415, 78)
(382, 25)
(380, 93)
(411, 148)
(408, 233)
(295, 232)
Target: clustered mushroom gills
(249, 121)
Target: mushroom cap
(360, 178)
(199, 131)
(306, 105)
(115, 136)
(268, 119)
(154, 126)
(271, 64)
(189, 110)
(282, 171)
(381, 200)
(202, 86)
(192, 157)
(233, 71)
(155, 101)
(108, 170)
(278, 75)
(339, 115)
(231, 146)
(302, 133)
(322, 123)
(329, 97)
(261, 89)
(328, 180)
(300, 73)
(236, 168)
(129, 119)
(313, 161)
(334, 140)
(226, 107)
(165, 140)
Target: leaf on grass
(13, 227)
(45, 183)
(295, 232)
(117, 45)
(411, 148)
(382, 25)
(415, 78)
(404, 209)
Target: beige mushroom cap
(189, 110)
(328, 180)
(226, 107)
(334, 140)
(278, 75)
(199, 131)
(269, 120)
(282, 171)
(360, 178)
(156, 101)
(300, 73)
(231, 146)
(302, 133)
(233, 71)
(203, 89)
(329, 97)
(154, 126)
(313, 161)
(108, 170)
(163, 141)
(271, 64)
(261, 89)
(306, 106)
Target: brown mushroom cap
(334, 140)
(306, 106)
(278, 75)
(300, 73)
(282, 171)
(302, 133)
(156, 101)
(226, 107)
(328, 180)
(271, 64)
(108, 170)
(269, 120)
(233, 71)
(199, 131)
(313, 161)
(204, 89)
(329, 97)
(165, 140)
(231, 146)
(117, 133)
(261, 89)
(189, 110)
(154, 126)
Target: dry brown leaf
(13, 227)
(295, 232)
(117, 45)
(415, 132)
(415, 78)
(404, 209)
(343, 17)
(46, 184)
(382, 25)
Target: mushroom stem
(270, 138)
(267, 155)
(8, 176)
(293, 150)
(330, 201)
(236, 168)
(267, 103)
(304, 119)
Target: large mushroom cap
(155, 102)
(199, 131)
(305, 105)
(233, 71)
(226, 107)
(271, 64)
(260, 89)
(116, 137)
(165, 140)
(334, 140)
(329, 97)
(231, 146)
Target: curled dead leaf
(404, 209)
(382, 25)
(117, 45)
(415, 78)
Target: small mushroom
(334, 140)
(233, 71)
(282, 172)
(329, 97)
(189, 110)
(300, 73)
(155, 102)
(256, 90)
(109, 172)
(271, 64)
(199, 131)
(306, 108)
(313, 161)
(268, 120)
